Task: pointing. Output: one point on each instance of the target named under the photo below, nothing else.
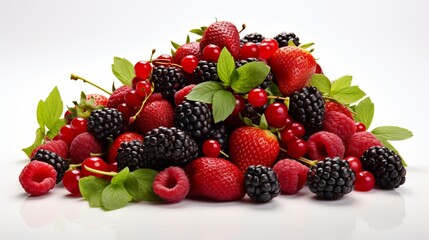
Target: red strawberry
(292, 68)
(216, 179)
(338, 107)
(223, 34)
(118, 96)
(252, 146)
(191, 48)
(155, 113)
(99, 100)
(125, 137)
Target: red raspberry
(325, 144)
(360, 142)
(60, 147)
(37, 178)
(171, 184)
(340, 124)
(155, 114)
(118, 96)
(82, 146)
(337, 107)
(292, 175)
(180, 95)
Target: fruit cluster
(219, 118)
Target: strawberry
(125, 137)
(253, 146)
(156, 112)
(191, 48)
(216, 179)
(292, 68)
(118, 96)
(338, 107)
(99, 100)
(223, 34)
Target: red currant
(287, 135)
(276, 114)
(125, 110)
(211, 148)
(272, 42)
(239, 104)
(71, 181)
(189, 63)
(365, 181)
(68, 116)
(133, 99)
(267, 48)
(67, 134)
(143, 69)
(354, 163)
(297, 148)
(211, 52)
(96, 163)
(318, 69)
(78, 125)
(298, 129)
(360, 127)
(257, 97)
(143, 88)
(135, 81)
(249, 50)
(289, 122)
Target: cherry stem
(277, 97)
(133, 118)
(243, 26)
(224, 154)
(100, 172)
(76, 77)
(74, 166)
(302, 159)
(151, 56)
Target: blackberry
(252, 37)
(105, 123)
(130, 154)
(60, 165)
(206, 71)
(253, 113)
(261, 183)
(331, 178)
(385, 165)
(167, 81)
(266, 81)
(169, 147)
(283, 39)
(194, 118)
(220, 134)
(308, 107)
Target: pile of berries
(277, 134)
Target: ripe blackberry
(261, 183)
(283, 38)
(193, 117)
(60, 165)
(331, 178)
(252, 37)
(206, 71)
(130, 154)
(385, 165)
(105, 123)
(266, 81)
(253, 113)
(169, 147)
(308, 107)
(167, 81)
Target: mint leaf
(250, 75)
(387, 144)
(348, 95)
(58, 124)
(91, 189)
(392, 133)
(139, 185)
(365, 112)
(40, 112)
(263, 124)
(341, 83)
(321, 82)
(225, 66)
(204, 91)
(121, 177)
(115, 196)
(52, 109)
(223, 105)
(40, 135)
(123, 70)
(273, 89)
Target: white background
(382, 44)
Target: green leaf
(223, 105)
(59, 123)
(123, 70)
(197, 31)
(139, 185)
(91, 189)
(121, 177)
(204, 91)
(341, 83)
(40, 112)
(115, 196)
(273, 89)
(225, 66)
(52, 109)
(387, 144)
(250, 75)
(263, 124)
(365, 112)
(40, 135)
(321, 82)
(175, 45)
(348, 95)
(392, 133)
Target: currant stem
(224, 154)
(76, 77)
(277, 97)
(133, 118)
(74, 166)
(304, 160)
(100, 172)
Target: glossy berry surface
(143, 88)
(258, 97)
(211, 53)
(287, 135)
(67, 134)
(78, 125)
(143, 69)
(133, 99)
(297, 148)
(354, 163)
(249, 50)
(239, 105)
(364, 182)
(211, 148)
(298, 129)
(189, 63)
(276, 114)
(267, 48)
(96, 163)
(360, 127)
(71, 181)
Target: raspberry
(338, 107)
(180, 95)
(340, 124)
(292, 175)
(59, 147)
(82, 146)
(171, 184)
(37, 178)
(357, 144)
(325, 144)
(118, 96)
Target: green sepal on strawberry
(86, 105)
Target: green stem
(74, 166)
(133, 118)
(76, 77)
(224, 154)
(100, 172)
(302, 159)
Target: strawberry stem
(76, 77)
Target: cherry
(211, 148)
(249, 50)
(318, 69)
(287, 135)
(165, 58)
(288, 122)
(239, 105)
(189, 63)
(297, 148)
(298, 129)
(211, 52)
(276, 114)
(68, 116)
(257, 97)
(112, 167)
(143, 69)
(267, 48)
(67, 134)
(133, 99)
(360, 127)
(365, 181)
(143, 88)
(96, 163)
(78, 125)
(135, 81)
(71, 181)
(126, 111)
(354, 163)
